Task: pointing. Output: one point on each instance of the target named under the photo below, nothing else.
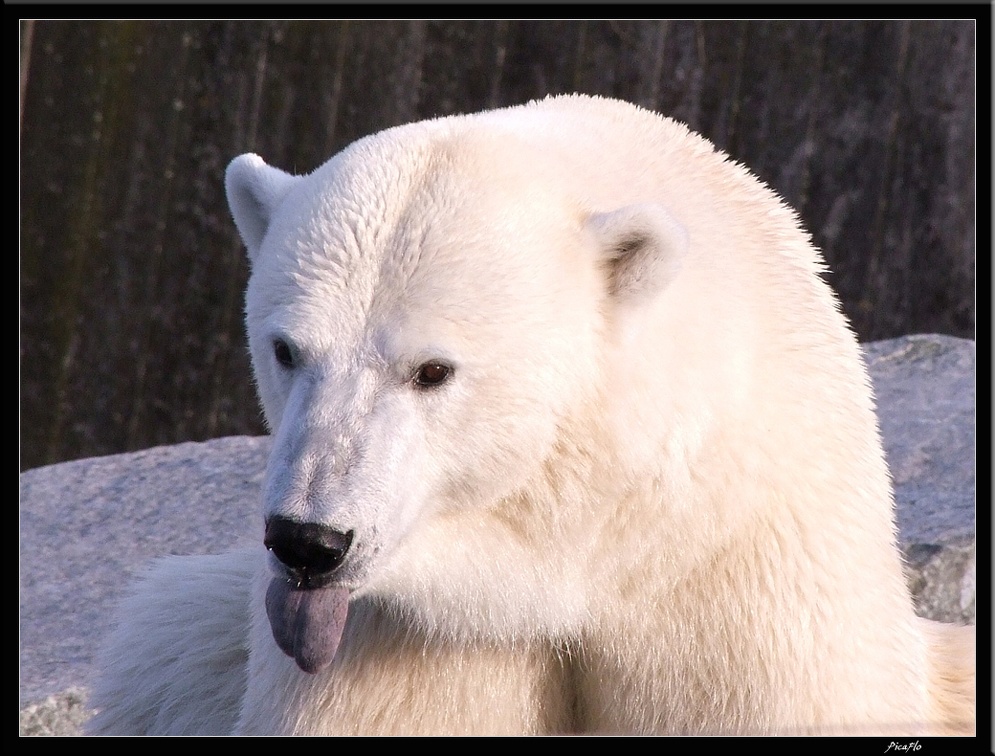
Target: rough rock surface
(925, 389)
(86, 527)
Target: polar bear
(569, 436)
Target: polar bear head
(426, 312)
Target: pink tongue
(307, 623)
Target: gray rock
(87, 527)
(62, 714)
(925, 388)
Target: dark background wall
(131, 274)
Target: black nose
(311, 552)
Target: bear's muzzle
(307, 613)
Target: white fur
(651, 499)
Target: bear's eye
(432, 374)
(281, 350)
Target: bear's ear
(643, 248)
(254, 190)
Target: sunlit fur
(651, 498)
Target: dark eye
(281, 350)
(432, 374)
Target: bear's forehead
(420, 210)
(413, 231)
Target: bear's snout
(310, 551)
